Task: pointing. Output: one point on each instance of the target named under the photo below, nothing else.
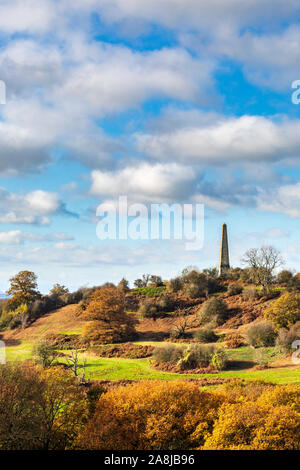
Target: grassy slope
(20, 342)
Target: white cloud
(146, 183)
(224, 140)
(285, 200)
(35, 207)
(17, 237)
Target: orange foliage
(152, 415)
(110, 323)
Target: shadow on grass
(240, 365)
(12, 342)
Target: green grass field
(139, 369)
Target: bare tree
(263, 262)
(74, 364)
(183, 322)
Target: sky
(164, 101)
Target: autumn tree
(23, 289)
(123, 285)
(109, 323)
(263, 262)
(156, 415)
(254, 426)
(285, 311)
(39, 409)
(59, 290)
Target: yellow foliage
(152, 415)
(285, 311)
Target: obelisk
(224, 253)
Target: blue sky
(163, 101)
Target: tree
(45, 353)
(123, 285)
(74, 364)
(158, 415)
(182, 322)
(23, 289)
(285, 311)
(109, 321)
(252, 426)
(263, 262)
(39, 409)
(214, 310)
(59, 290)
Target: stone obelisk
(224, 252)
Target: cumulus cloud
(56, 96)
(223, 140)
(35, 207)
(285, 200)
(146, 183)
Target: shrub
(250, 293)
(175, 284)
(168, 354)
(194, 283)
(205, 335)
(148, 309)
(234, 289)
(285, 311)
(44, 353)
(219, 360)
(5, 320)
(165, 303)
(286, 337)
(196, 356)
(285, 276)
(214, 310)
(261, 334)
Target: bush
(250, 293)
(196, 356)
(234, 289)
(45, 353)
(214, 310)
(194, 283)
(168, 354)
(286, 337)
(219, 360)
(186, 357)
(285, 311)
(205, 335)
(175, 284)
(285, 276)
(261, 334)
(148, 309)
(165, 303)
